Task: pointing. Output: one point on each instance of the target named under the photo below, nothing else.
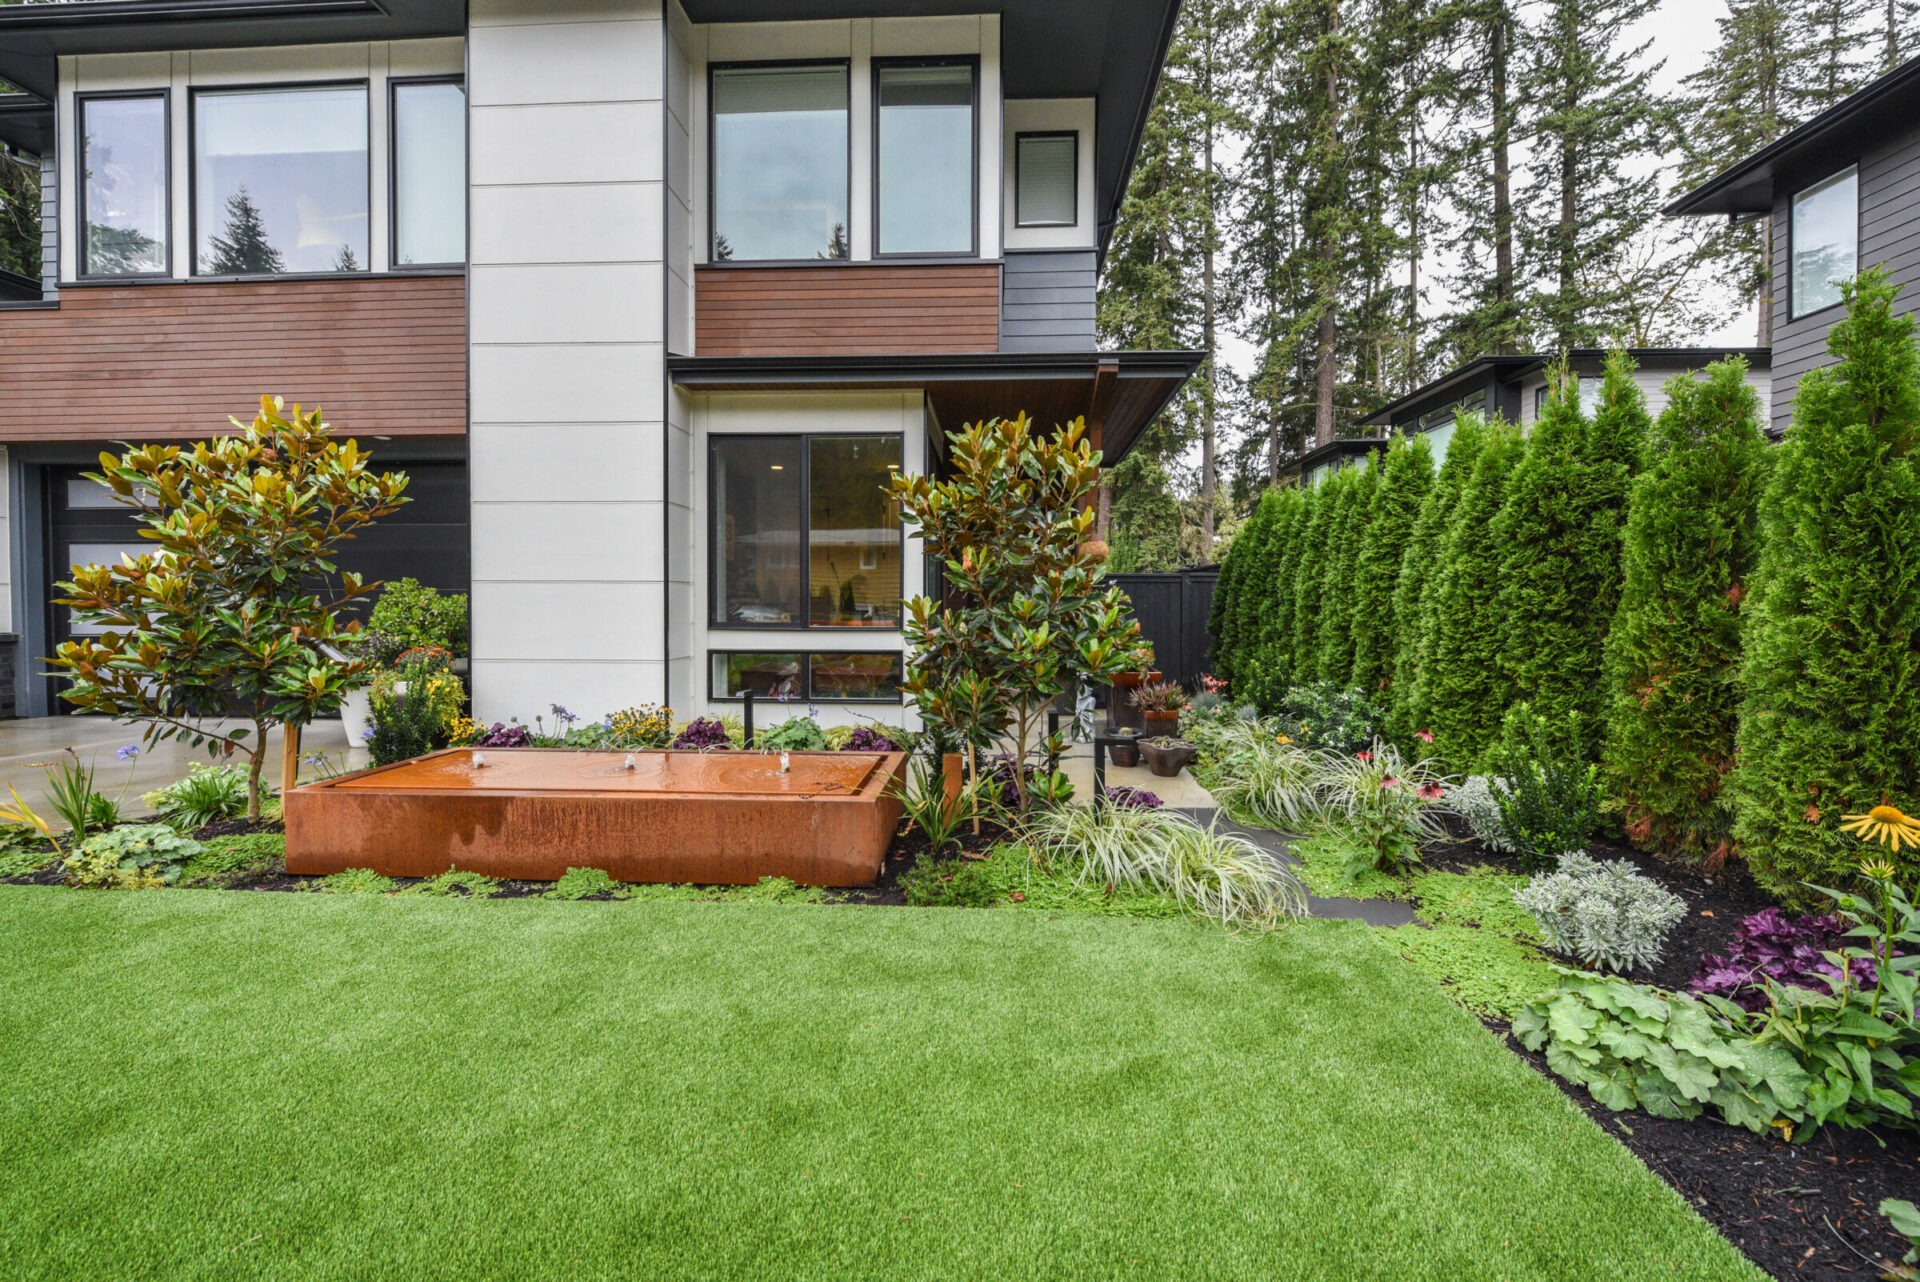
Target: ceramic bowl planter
(1125, 754)
(1121, 714)
(1167, 756)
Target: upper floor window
(429, 173)
(1824, 241)
(123, 202)
(1046, 180)
(779, 162)
(280, 180)
(925, 157)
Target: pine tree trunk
(1503, 282)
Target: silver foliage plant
(1478, 804)
(1604, 913)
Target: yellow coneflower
(1885, 825)
(1283, 740)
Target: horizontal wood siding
(384, 356)
(852, 310)
(1889, 237)
(1047, 302)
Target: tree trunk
(1503, 282)
(253, 770)
(1325, 363)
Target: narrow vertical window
(924, 181)
(429, 173)
(123, 210)
(757, 531)
(1046, 180)
(280, 180)
(779, 163)
(853, 532)
(1825, 237)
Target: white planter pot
(356, 715)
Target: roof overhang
(1836, 137)
(26, 123)
(1120, 391)
(32, 36)
(1107, 50)
(1490, 370)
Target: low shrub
(415, 707)
(135, 857)
(207, 795)
(1212, 873)
(950, 883)
(221, 857)
(1772, 947)
(586, 883)
(700, 734)
(1605, 913)
(1477, 801)
(408, 615)
(1550, 802)
(795, 734)
(1327, 715)
(355, 881)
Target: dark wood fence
(1172, 611)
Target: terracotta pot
(1124, 754)
(1170, 761)
(1161, 723)
(1121, 714)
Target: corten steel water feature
(532, 813)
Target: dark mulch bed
(909, 849)
(237, 828)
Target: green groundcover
(205, 1084)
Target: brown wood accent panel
(383, 356)
(847, 310)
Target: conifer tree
(1831, 663)
(1613, 453)
(1308, 563)
(1464, 688)
(1673, 653)
(1236, 600)
(1333, 660)
(1415, 594)
(1272, 603)
(244, 249)
(1406, 474)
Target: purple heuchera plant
(867, 739)
(499, 735)
(1134, 798)
(1787, 950)
(702, 732)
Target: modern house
(648, 297)
(1842, 192)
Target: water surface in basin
(559, 770)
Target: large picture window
(779, 163)
(280, 180)
(804, 533)
(1825, 241)
(123, 202)
(849, 677)
(924, 160)
(429, 173)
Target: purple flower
(565, 718)
(867, 739)
(1134, 798)
(702, 732)
(129, 752)
(367, 734)
(1787, 950)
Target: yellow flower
(1885, 825)
(1283, 740)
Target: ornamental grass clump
(1264, 776)
(1213, 874)
(1605, 913)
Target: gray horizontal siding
(49, 229)
(1889, 237)
(1047, 301)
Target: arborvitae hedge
(1272, 640)
(1309, 561)
(1466, 690)
(1405, 476)
(1673, 655)
(1830, 720)
(1234, 608)
(1333, 657)
(1413, 600)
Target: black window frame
(1020, 137)
(394, 84)
(807, 695)
(713, 185)
(1792, 198)
(194, 94)
(972, 63)
(714, 513)
(80, 101)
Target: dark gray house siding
(1047, 300)
(1889, 237)
(49, 227)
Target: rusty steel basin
(713, 818)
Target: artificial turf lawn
(215, 1084)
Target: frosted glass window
(1826, 241)
(1048, 182)
(280, 181)
(429, 173)
(779, 163)
(924, 156)
(124, 156)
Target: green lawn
(204, 1084)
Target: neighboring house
(1843, 193)
(1515, 387)
(649, 302)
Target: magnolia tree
(1024, 611)
(235, 610)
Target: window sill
(99, 282)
